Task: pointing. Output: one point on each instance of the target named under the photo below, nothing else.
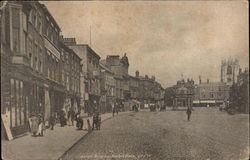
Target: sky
(166, 39)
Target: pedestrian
(52, 121)
(117, 109)
(89, 126)
(40, 125)
(113, 109)
(62, 118)
(96, 119)
(33, 120)
(189, 112)
(72, 117)
(79, 121)
(69, 117)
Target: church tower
(229, 71)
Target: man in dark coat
(189, 112)
(62, 118)
(52, 121)
(95, 121)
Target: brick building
(31, 65)
(107, 88)
(146, 90)
(159, 93)
(71, 67)
(210, 93)
(90, 74)
(119, 66)
(134, 86)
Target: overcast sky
(164, 39)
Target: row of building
(206, 93)
(44, 72)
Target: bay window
(15, 12)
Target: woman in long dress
(40, 125)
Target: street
(167, 135)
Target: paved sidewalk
(50, 147)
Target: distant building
(70, 72)
(90, 75)
(229, 71)
(210, 93)
(119, 66)
(107, 88)
(183, 93)
(159, 93)
(134, 86)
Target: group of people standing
(37, 123)
(71, 117)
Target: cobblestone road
(167, 135)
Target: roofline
(69, 50)
(87, 47)
(46, 10)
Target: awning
(219, 101)
(135, 101)
(207, 101)
(196, 101)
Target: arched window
(229, 70)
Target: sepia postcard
(124, 80)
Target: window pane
(21, 103)
(13, 111)
(17, 103)
(16, 41)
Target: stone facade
(183, 94)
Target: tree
(233, 98)
(169, 96)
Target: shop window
(17, 106)
(12, 103)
